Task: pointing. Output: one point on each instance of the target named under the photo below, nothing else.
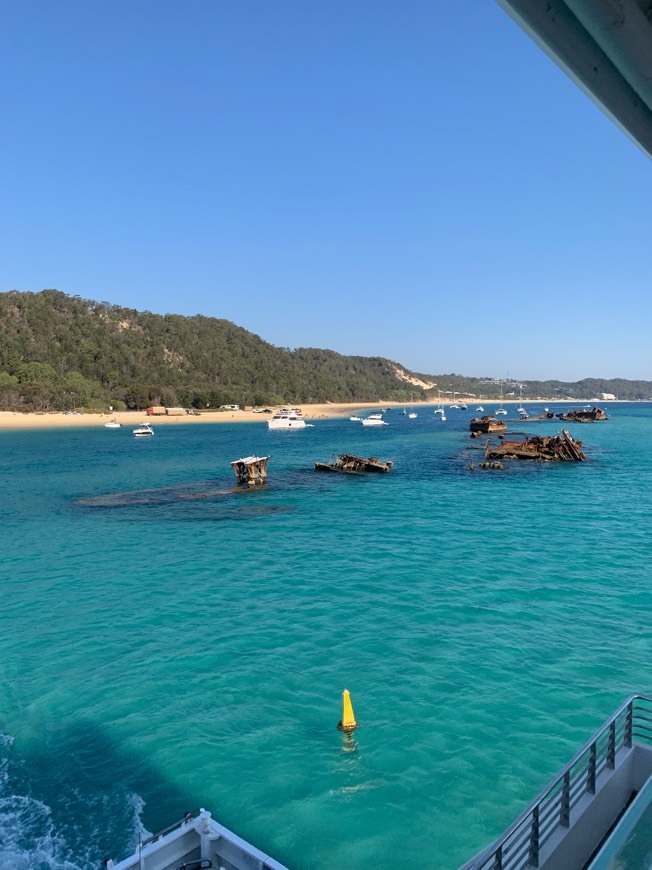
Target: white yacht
(143, 431)
(374, 420)
(287, 418)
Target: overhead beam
(605, 47)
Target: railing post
(564, 813)
(534, 838)
(590, 774)
(498, 858)
(611, 746)
(629, 724)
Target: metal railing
(521, 844)
(187, 817)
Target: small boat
(287, 418)
(143, 431)
(375, 417)
(355, 419)
(374, 420)
(464, 407)
(479, 408)
(412, 415)
(440, 409)
(500, 409)
(113, 424)
(521, 410)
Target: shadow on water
(75, 798)
(206, 500)
(201, 502)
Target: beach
(69, 419)
(63, 420)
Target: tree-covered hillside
(58, 352)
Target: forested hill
(58, 351)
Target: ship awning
(605, 46)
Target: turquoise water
(166, 642)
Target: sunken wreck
(543, 448)
(485, 425)
(251, 470)
(584, 415)
(346, 463)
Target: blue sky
(412, 179)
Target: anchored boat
(287, 418)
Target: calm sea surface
(167, 642)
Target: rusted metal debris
(251, 470)
(486, 424)
(545, 448)
(581, 415)
(346, 463)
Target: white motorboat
(412, 415)
(355, 419)
(113, 424)
(374, 417)
(287, 418)
(374, 420)
(500, 409)
(479, 408)
(143, 431)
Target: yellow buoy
(348, 722)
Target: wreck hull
(346, 463)
(487, 424)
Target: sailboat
(454, 404)
(500, 410)
(440, 409)
(412, 415)
(521, 410)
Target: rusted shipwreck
(584, 415)
(251, 470)
(485, 425)
(544, 448)
(346, 463)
